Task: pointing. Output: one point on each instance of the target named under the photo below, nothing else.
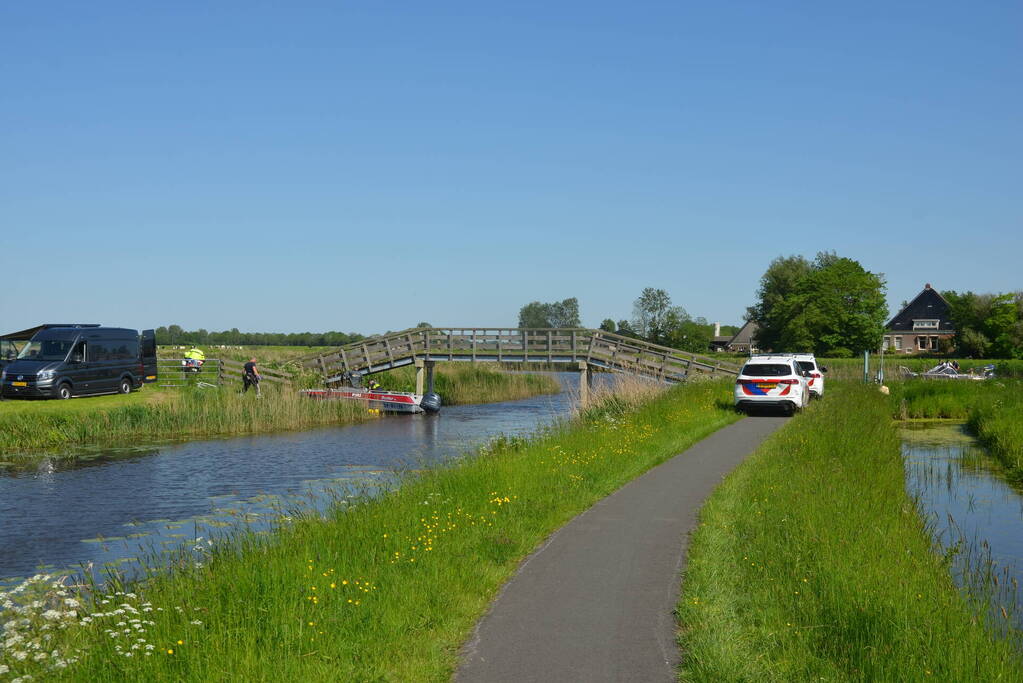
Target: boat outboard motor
(431, 402)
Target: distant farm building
(923, 326)
(740, 342)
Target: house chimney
(927, 286)
(717, 329)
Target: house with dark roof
(922, 326)
(743, 342)
(740, 342)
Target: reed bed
(383, 588)
(31, 428)
(617, 393)
(931, 399)
(811, 562)
(998, 426)
(465, 383)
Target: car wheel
(125, 386)
(64, 391)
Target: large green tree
(772, 311)
(554, 314)
(650, 314)
(832, 306)
(987, 325)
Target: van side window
(124, 349)
(98, 351)
(78, 353)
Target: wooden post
(420, 375)
(429, 376)
(584, 383)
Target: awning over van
(25, 335)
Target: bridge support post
(424, 375)
(584, 383)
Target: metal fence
(173, 372)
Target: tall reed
(463, 383)
(186, 413)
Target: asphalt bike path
(595, 602)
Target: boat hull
(389, 401)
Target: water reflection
(127, 503)
(971, 508)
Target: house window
(934, 343)
(887, 343)
(898, 343)
(925, 324)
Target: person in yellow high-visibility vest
(194, 358)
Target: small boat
(948, 371)
(377, 399)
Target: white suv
(815, 381)
(772, 382)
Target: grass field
(388, 588)
(811, 563)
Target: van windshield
(47, 349)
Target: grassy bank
(852, 368)
(991, 409)
(941, 399)
(811, 563)
(30, 428)
(387, 589)
(998, 426)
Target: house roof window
(925, 324)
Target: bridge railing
(595, 347)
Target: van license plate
(766, 387)
(19, 384)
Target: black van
(61, 362)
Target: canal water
(117, 506)
(972, 509)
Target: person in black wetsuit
(250, 377)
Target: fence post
(220, 371)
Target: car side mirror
(823, 369)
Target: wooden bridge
(424, 346)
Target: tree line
(176, 335)
(654, 319)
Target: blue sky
(364, 166)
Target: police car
(808, 362)
(772, 381)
